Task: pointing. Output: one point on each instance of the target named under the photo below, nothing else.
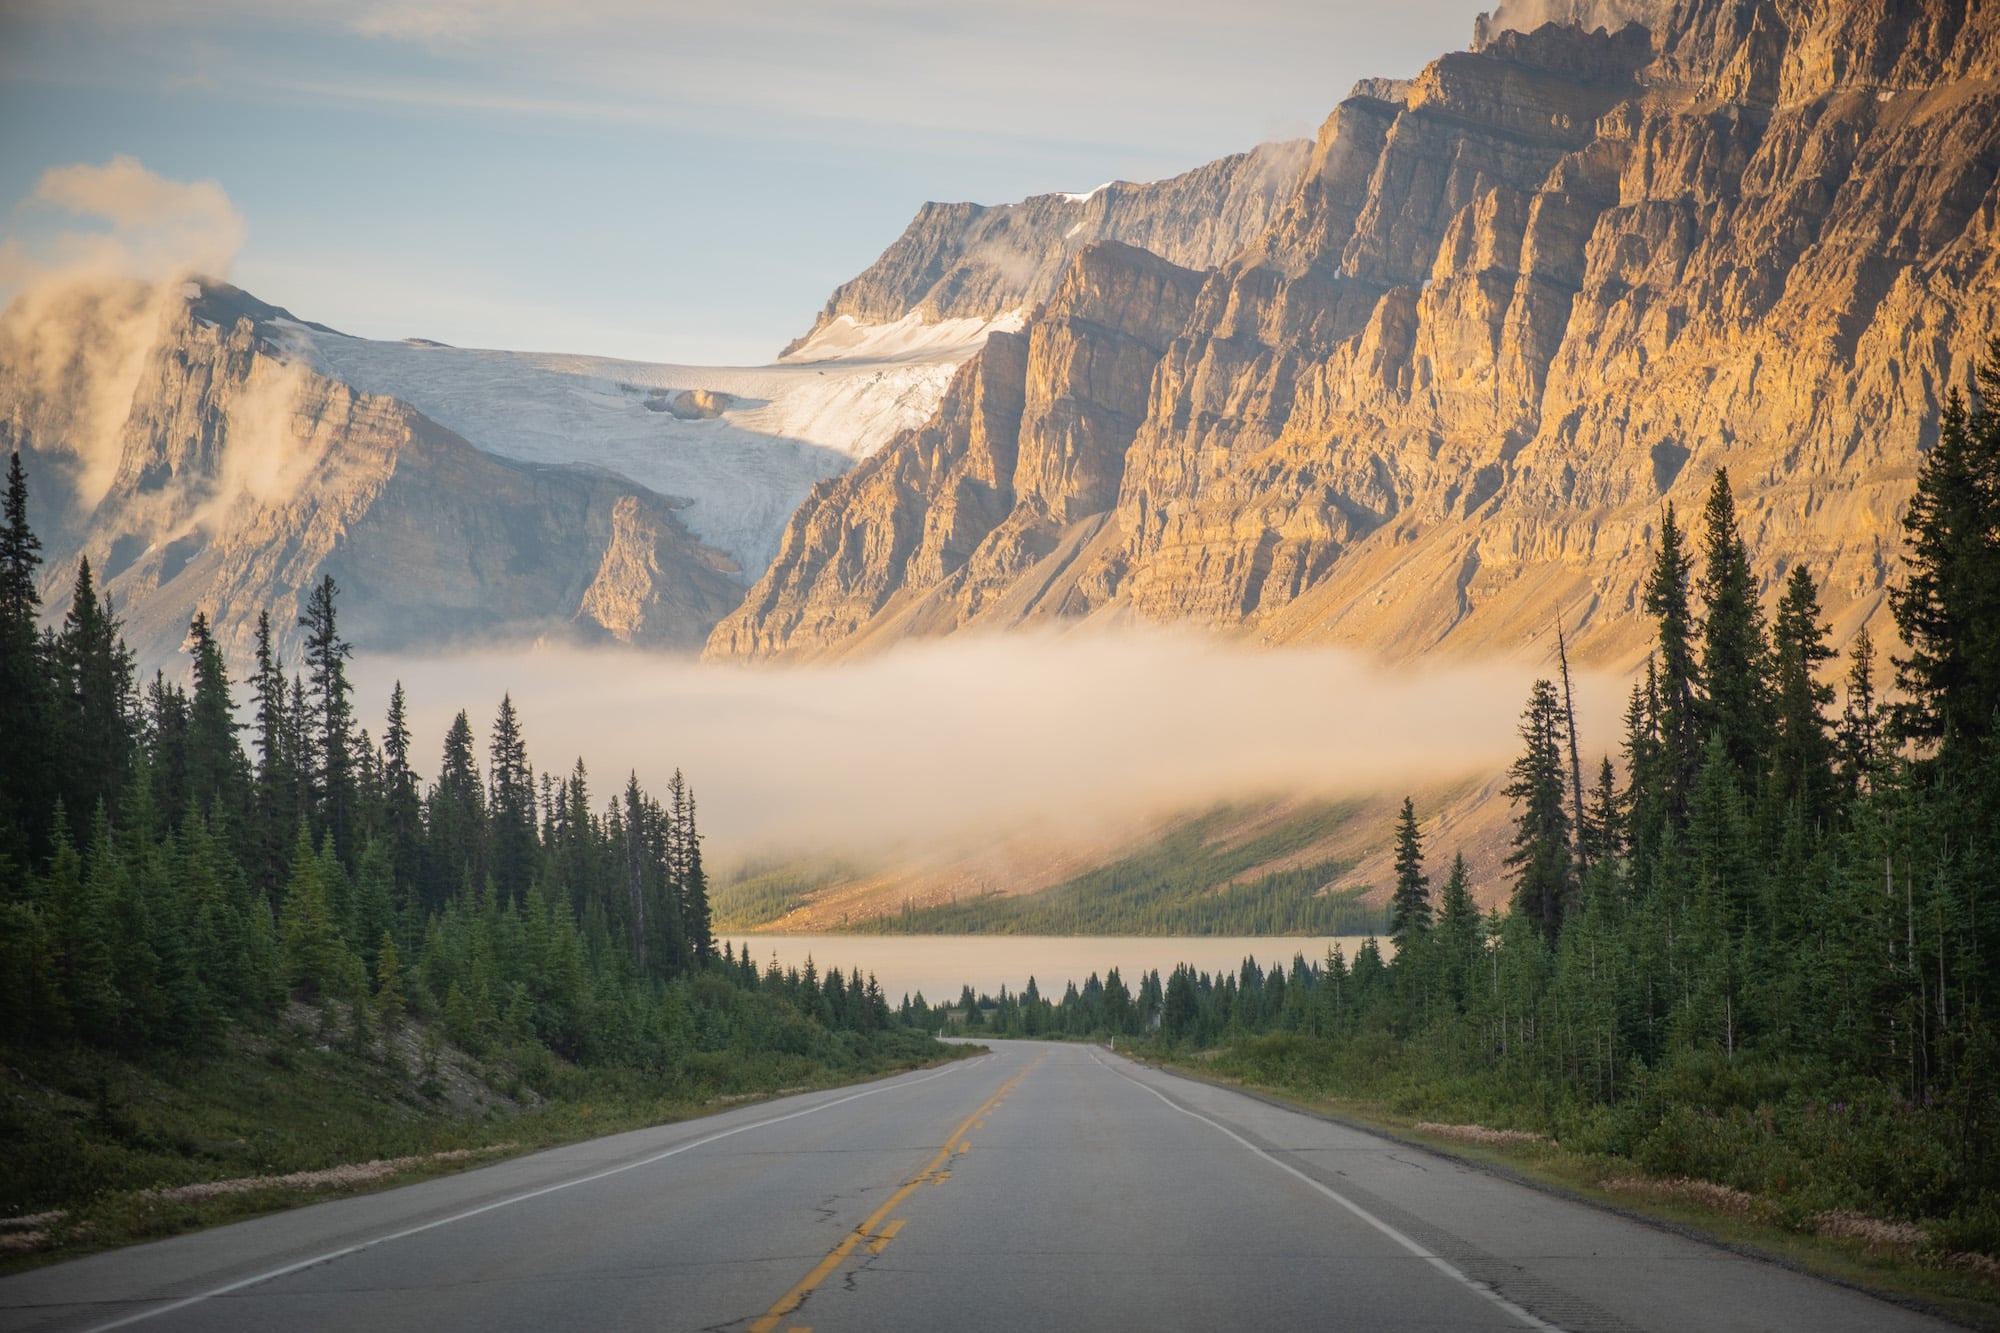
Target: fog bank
(942, 743)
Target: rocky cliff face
(1504, 311)
(236, 478)
(947, 524)
(971, 261)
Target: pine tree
(218, 774)
(389, 1000)
(95, 698)
(1802, 758)
(27, 717)
(1860, 733)
(275, 812)
(1735, 662)
(1677, 706)
(315, 958)
(1949, 611)
(1410, 905)
(1460, 931)
(457, 823)
(510, 805)
(331, 739)
(1541, 855)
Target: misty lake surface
(938, 965)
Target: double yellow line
(872, 1230)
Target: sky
(666, 180)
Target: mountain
(209, 451)
(1504, 311)
(172, 439)
(976, 263)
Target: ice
(910, 338)
(837, 399)
(1092, 194)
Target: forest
(1761, 948)
(165, 889)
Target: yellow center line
(824, 1269)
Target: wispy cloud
(82, 303)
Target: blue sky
(670, 181)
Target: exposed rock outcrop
(1503, 312)
(990, 504)
(241, 477)
(974, 261)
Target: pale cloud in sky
(708, 169)
(80, 302)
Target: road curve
(1045, 1186)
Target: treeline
(1762, 949)
(159, 882)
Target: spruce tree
(218, 775)
(1949, 611)
(1735, 662)
(98, 717)
(274, 805)
(457, 824)
(1802, 758)
(510, 805)
(1541, 855)
(1460, 931)
(1860, 733)
(27, 715)
(331, 739)
(1410, 904)
(1678, 707)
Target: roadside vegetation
(1747, 973)
(220, 965)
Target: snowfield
(777, 428)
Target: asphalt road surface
(1044, 1186)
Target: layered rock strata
(1504, 312)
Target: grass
(1878, 1255)
(98, 1150)
(1191, 881)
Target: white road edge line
(344, 1251)
(1444, 1266)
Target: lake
(938, 965)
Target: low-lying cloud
(83, 303)
(942, 743)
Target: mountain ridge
(1506, 310)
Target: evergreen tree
(510, 807)
(1860, 733)
(27, 716)
(1541, 855)
(275, 811)
(1735, 662)
(1677, 708)
(1460, 931)
(1949, 611)
(1802, 758)
(218, 774)
(457, 820)
(95, 698)
(1410, 905)
(331, 739)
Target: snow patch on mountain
(744, 469)
(911, 338)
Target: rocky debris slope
(1504, 311)
(974, 262)
(235, 478)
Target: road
(1043, 1186)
